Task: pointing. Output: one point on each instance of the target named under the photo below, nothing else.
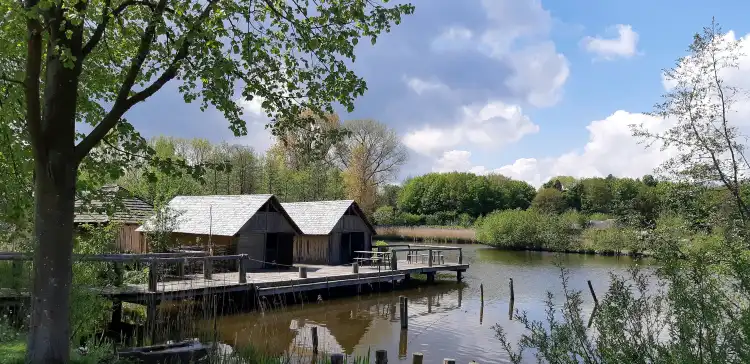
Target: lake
(446, 320)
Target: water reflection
(445, 320)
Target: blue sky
(525, 88)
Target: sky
(526, 88)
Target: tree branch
(120, 107)
(31, 83)
(5, 78)
(106, 16)
(123, 102)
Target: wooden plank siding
(129, 240)
(311, 249)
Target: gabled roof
(221, 215)
(320, 217)
(124, 207)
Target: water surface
(446, 320)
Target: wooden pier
(167, 278)
(273, 283)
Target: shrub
(520, 229)
(385, 215)
(611, 240)
(408, 219)
(549, 200)
(465, 220)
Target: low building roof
(221, 215)
(112, 203)
(320, 217)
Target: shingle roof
(222, 215)
(320, 217)
(112, 203)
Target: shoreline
(466, 236)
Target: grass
(455, 235)
(12, 352)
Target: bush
(611, 240)
(408, 219)
(518, 229)
(465, 220)
(385, 215)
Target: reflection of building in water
(343, 325)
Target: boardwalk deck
(271, 283)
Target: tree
(92, 61)
(370, 155)
(549, 200)
(700, 102)
(596, 195)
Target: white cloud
(421, 86)
(518, 37)
(453, 38)
(540, 74)
(611, 149)
(624, 45)
(491, 125)
(258, 136)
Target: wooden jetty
(292, 279)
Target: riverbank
(427, 234)
(593, 241)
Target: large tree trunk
(55, 168)
(54, 191)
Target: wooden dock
(261, 284)
(168, 280)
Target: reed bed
(431, 234)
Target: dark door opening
(345, 253)
(279, 251)
(350, 243)
(358, 242)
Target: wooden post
(314, 331)
(116, 313)
(460, 256)
(403, 342)
(151, 319)
(337, 358)
(512, 300)
(458, 276)
(381, 357)
(119, 278)
(394, 261)
(429, 257)
(481, 293)
(207, 268)
(593, 294)
(417, 358)
(242, 268)
(303, 272)
(16, 269)
(181, 268)
(153, 276)
(404, 309)
(355, 268)
(449, 361)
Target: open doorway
(350, 243)
(279, 251)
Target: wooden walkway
(274, 282)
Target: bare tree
(370, 155)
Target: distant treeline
(460, 198)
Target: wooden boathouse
(254, 225)
(331, 231)
(113, 204)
